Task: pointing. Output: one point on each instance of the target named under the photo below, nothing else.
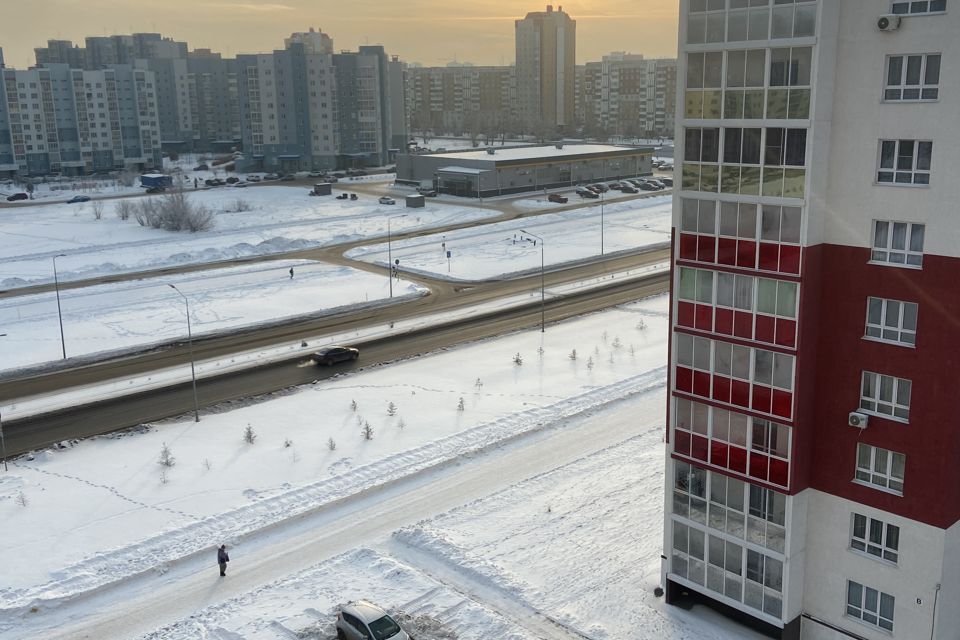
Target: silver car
(362, 620)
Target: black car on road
(332, 355)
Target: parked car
(667, 182)
(428, 193)
(315, 174)
(201, 167)
(18, 196)
(364, 620)
(583, 192)
(271, 176)
(253, 178)
(386, 200)
(556, 197)
(656, 182)
(233, 180)
(628, 188)
(635, 182)
(602, 188)
(332, 355)
(616, 185)
(76, 199)
(649, 186)
(288, 178)
(239, 185)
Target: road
(141, 604)
(102, 417)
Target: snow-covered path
(170, 593)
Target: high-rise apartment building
(460, 99)
(72, 121)
(546, 47)
(628, 95)
(812, 478)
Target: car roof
(366, 611)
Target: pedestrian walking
(291, 273)
(222, 559)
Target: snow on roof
(153, 175)
(473, 170)
(532, 153)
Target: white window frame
(889, 397)
(923, 88)
(879, 472)
(918, 176)
(920, 4)
(894, 326)
(867, 605)
(877, 538)
(886, 253)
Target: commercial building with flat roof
(503, 170)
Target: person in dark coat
(291, 273)
(222, 559)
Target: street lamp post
(56, 286)
(542, 288)
(601, 223)
(390, 253)
(193, 370)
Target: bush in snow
(540, 351)
(460, 405)
(163, 476)
(401, 424)
(174, 212)
(590, 362)
(391, 409)
(353, 405)
(616, 343)
(238, 206)
(249, 436)
(287, 443)
(605, 335)
(125, 209)
(573, 355)
(367, 431)
(641, 325)
(22, 499)
(97, 208)
(478, 383)
(331, 444)
(207, 464)
(596, 349)
(166, 457)
(632, 350)
(517, 360)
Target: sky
(431, 32)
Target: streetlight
(193, 371)
(390, 253)
(542, 295)
(3, 443)
(56, 286)
(601, 223)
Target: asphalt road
(102, 417)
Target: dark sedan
(76, 199)
(332, 355)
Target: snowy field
(140, 313)
(280, 219)
(501, 249)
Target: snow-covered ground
(499, 249)
(279, 219)
(138, 313)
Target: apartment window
(898, 243)
(904, 162)
(869, 605)
(913, 77)
(876, 538)
(793, 19)
(885, 396)
(704, 79)
(764, 583)
(880, 468)
(690, 492)
(701, 146)
(748, 20)
(789, 94)
(919, 6)
(892, 321)
(743, 97)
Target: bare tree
(97, 207)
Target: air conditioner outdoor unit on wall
(858, 420)
(888, 23)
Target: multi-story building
(546, 47)
(812, 486)
(459, 99)
(58, 119)
(627, 95)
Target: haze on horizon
(430, 32)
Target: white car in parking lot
(362, 620)
(386, 200)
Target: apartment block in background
(626, 95)
(812, 480)
(460, 99)
(546, 47)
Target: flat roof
(536, 152)
(472, 170)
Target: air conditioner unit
(888, 23)
(858, 420)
